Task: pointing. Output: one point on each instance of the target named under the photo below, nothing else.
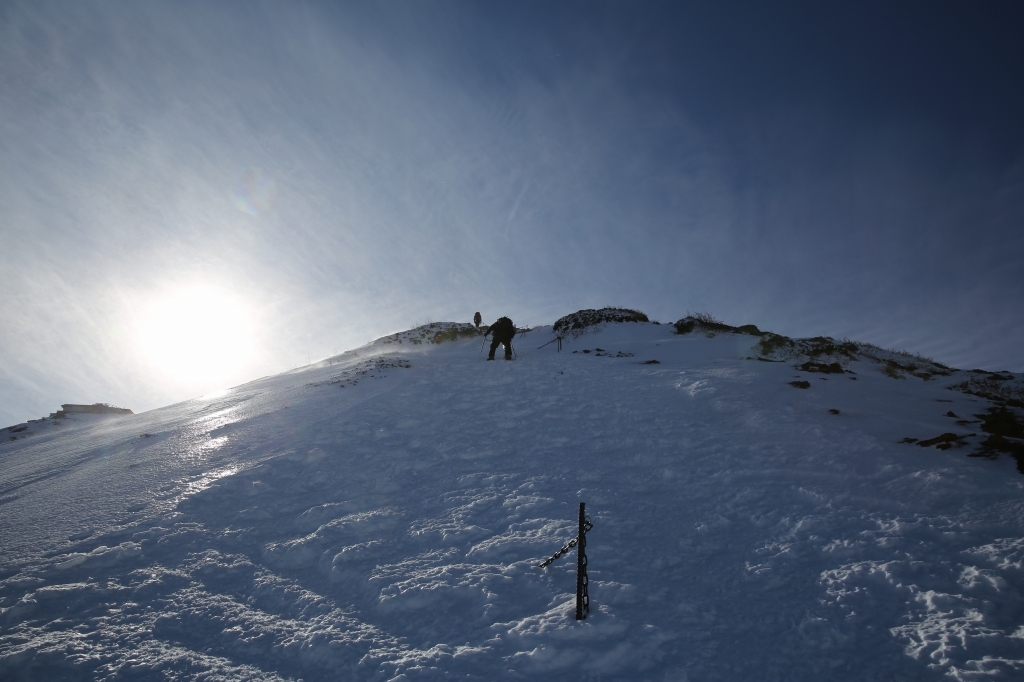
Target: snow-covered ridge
(825, 354)
(432, 332)
(380, 516)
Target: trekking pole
(514, 353)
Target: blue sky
(194, 194)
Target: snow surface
(380, 516)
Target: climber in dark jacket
(502, 332)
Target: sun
(197, 335)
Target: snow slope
(379, 516)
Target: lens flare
(254, 192)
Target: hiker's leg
(494, 347)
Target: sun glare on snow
(199, 334)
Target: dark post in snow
(580, 542)
(582, 598)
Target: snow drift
(380, 516)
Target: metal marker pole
(582, 598)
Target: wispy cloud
(434, 160)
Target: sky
(196, 194)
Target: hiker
(503, 332)
(477, 320)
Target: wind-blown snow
(379, 516)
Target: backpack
(503, 328)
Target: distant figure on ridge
(503, 332)
(477, 320)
